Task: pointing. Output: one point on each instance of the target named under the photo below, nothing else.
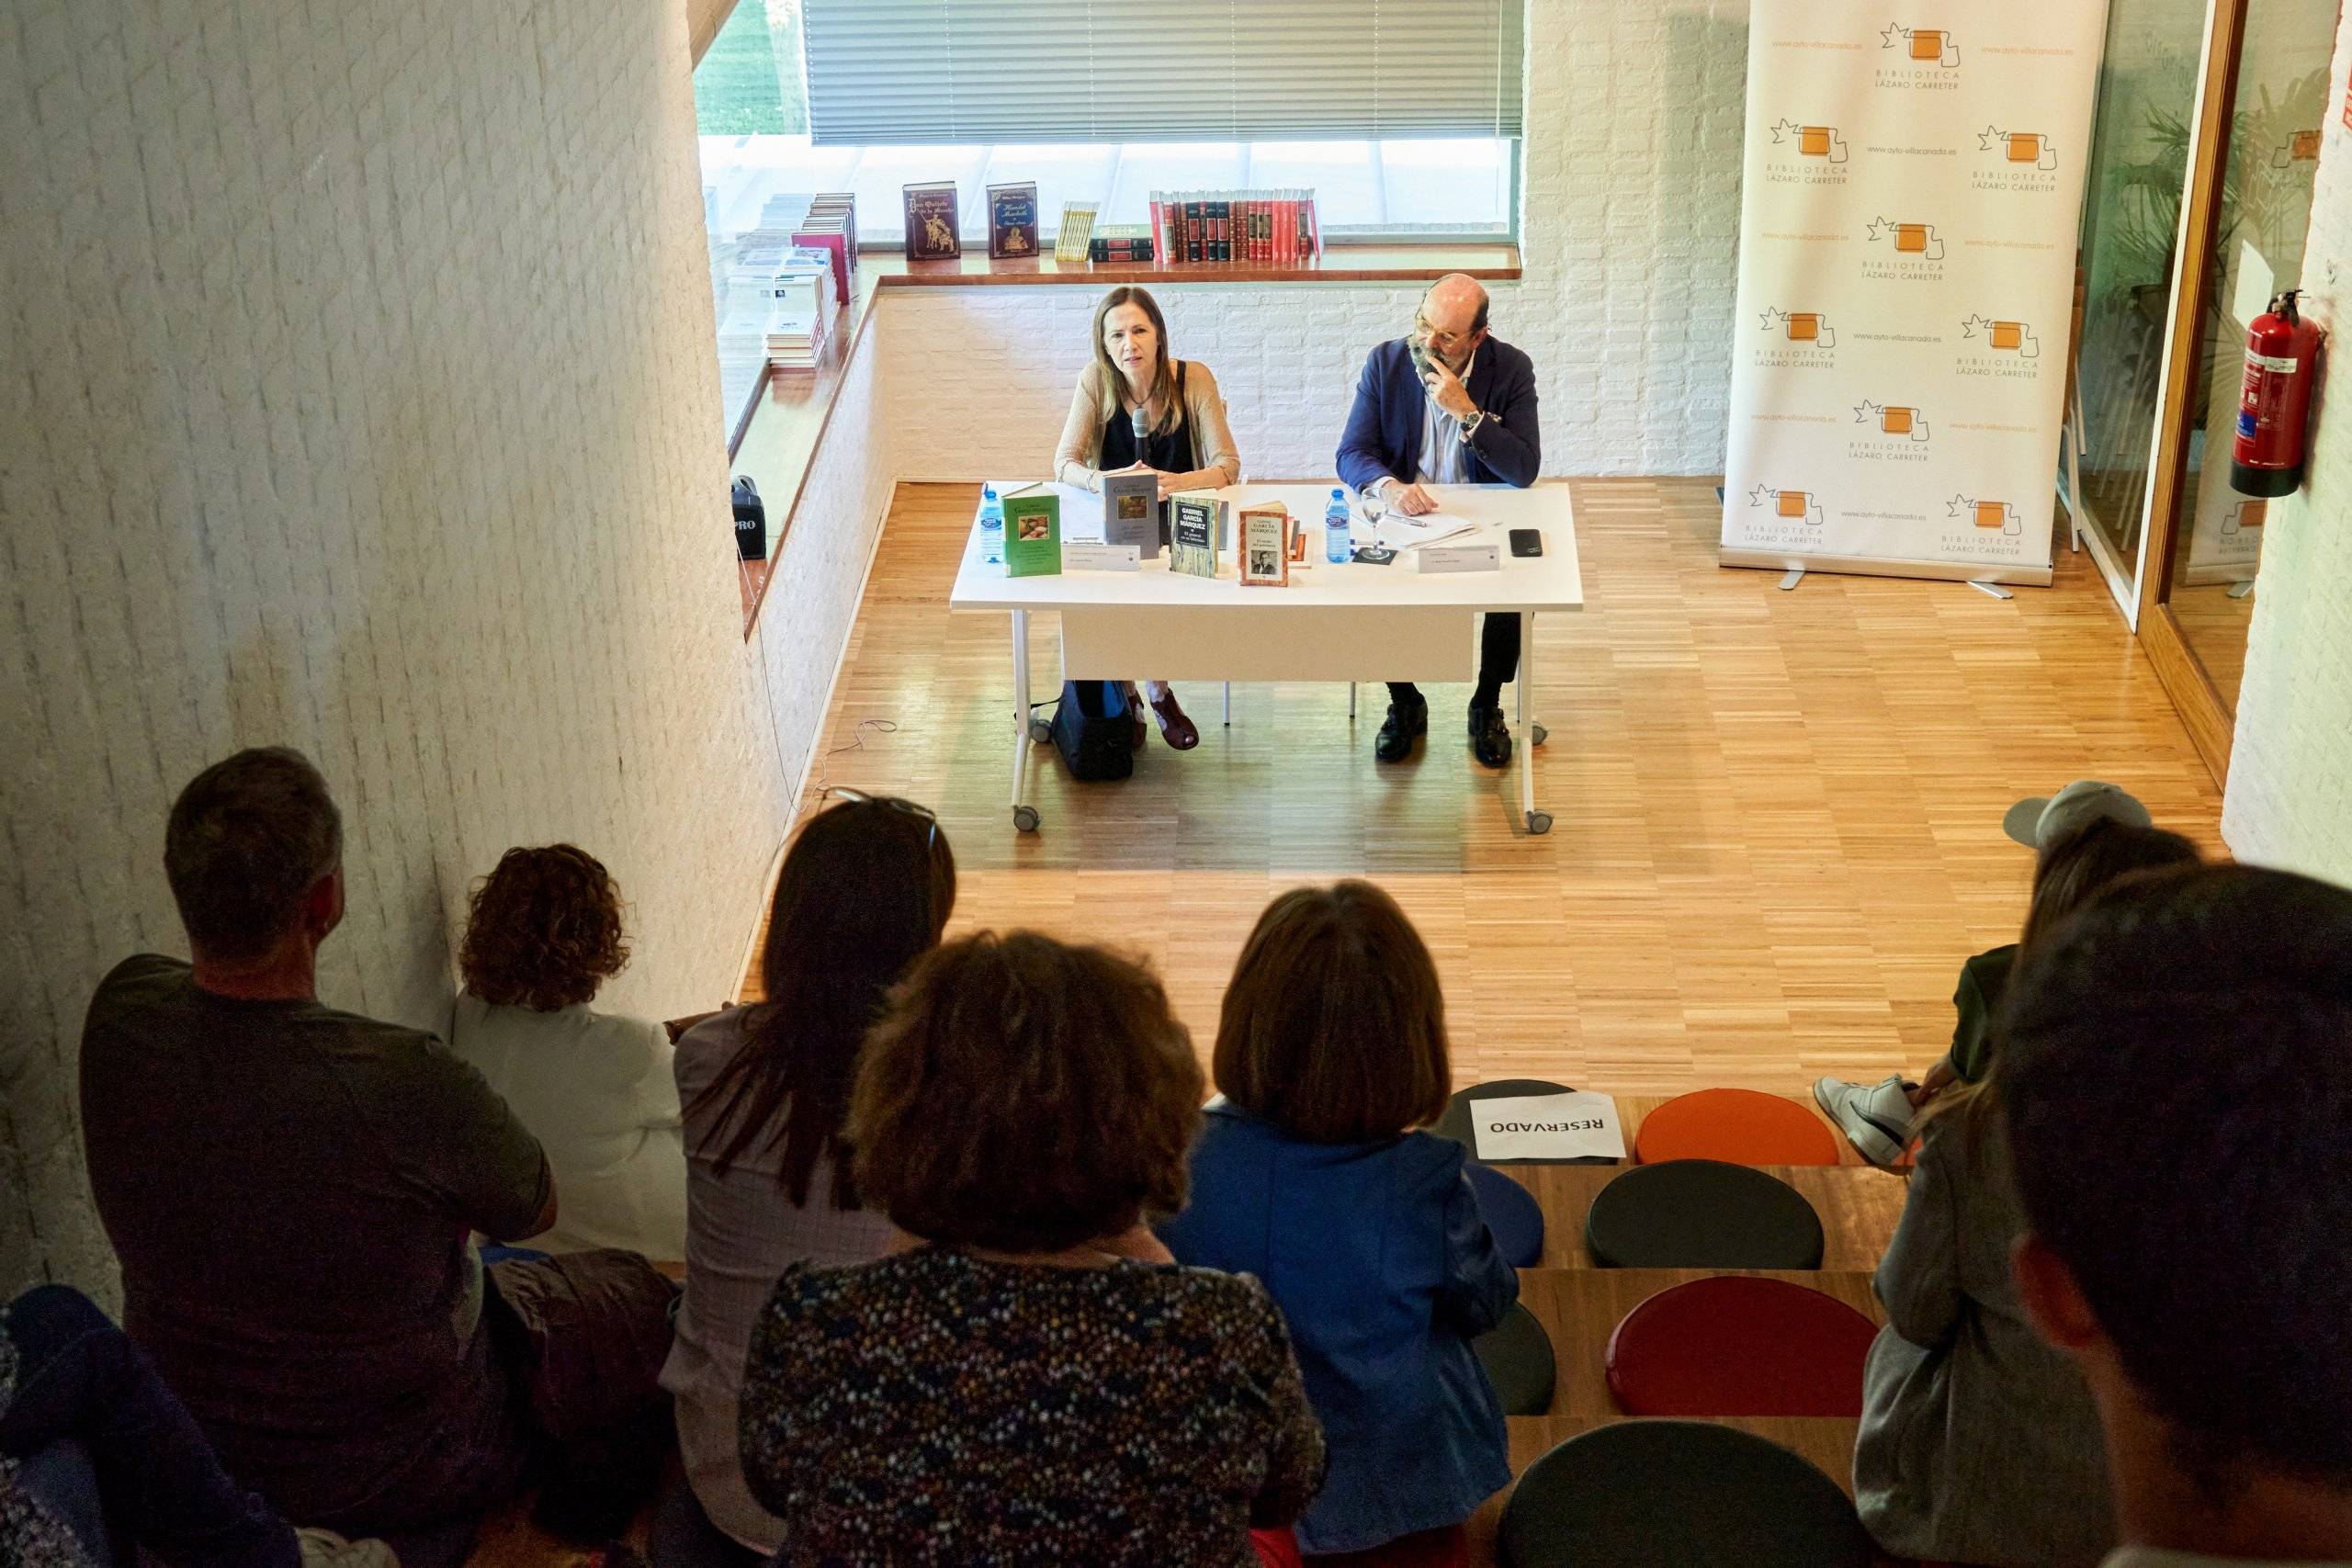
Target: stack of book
(1236, 228)
(1077, 231)
(830, 224)
(801, 302)
(1120, 242)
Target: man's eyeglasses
(1444, 343)
(895, 802)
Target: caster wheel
(1040, 731)
(1541, 734)
(1539, 823)
(1025, 818)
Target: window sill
(777, 440)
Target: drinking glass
(1374, 506)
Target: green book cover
(1033, 534)
(1193, 534)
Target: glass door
(2271, 157)
(2137, 177)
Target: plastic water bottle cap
(1338, 494)
(988, 493)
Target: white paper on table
(1575, 1125)
(1400, 532)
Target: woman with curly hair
(598, 1089)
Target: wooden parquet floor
(1778, 815)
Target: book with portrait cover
(1012, 221)
(1192, 533)
(932, 234)
(1265, 531)
(1132, 514)
(1033, 533)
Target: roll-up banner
(1909, 223)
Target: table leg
(1537, 822)
(1229, 704)
(1024, 816)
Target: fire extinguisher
(2267, 458)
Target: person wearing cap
(1877, 1117)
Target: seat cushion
(1517, 1355)
(1702, 1213)
(1642, 1493)
(1739, 1346)
(1456, 1124)
(1735, 1124)
(1511, 1213)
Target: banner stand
(1909, 212)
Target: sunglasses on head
(894, 803)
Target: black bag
(750, 519)
(1094, 729)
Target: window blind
(1047, 71)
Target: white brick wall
(1629, 228)
(2289, 798)
(357, 391)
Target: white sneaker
(324, 1549)
(1875, 1117)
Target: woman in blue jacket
(1309, 1175)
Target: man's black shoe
(1404, 721)
(1489, 736)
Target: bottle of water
(991, 526)
(1334, 528)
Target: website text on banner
(1906, 276)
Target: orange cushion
(1736, 1345)
(1736, 1125)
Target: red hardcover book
(831, 240)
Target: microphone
(1140, 425)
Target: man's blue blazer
(1384, 435)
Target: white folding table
(1348, 622)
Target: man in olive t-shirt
(290, 1189)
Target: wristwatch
(1478, 418)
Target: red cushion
(1734, 1345)
(1736, 1125)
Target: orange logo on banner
(1892, 419)
(1813, 141)
(2244, 515)
(1911, 237)
(2010, 337)
(1918, 239)
(1804, 326)
(1796, 505)
(1810, 327)
(2018, 146)
(1994, 514)
(1925, 46)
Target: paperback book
(1076, 232)
(1033, 533)
(1266, 534)
(932, 210)
(1193, 530)
(1132, 514)
(1012, 222)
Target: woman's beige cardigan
(1097, 400)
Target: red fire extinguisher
(2267, 458)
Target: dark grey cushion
(1702, 1213)
(1517, 1355)
(1642, 1493)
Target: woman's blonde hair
(1163, 369)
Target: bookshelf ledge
(1337, 263)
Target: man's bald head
(1452, 318)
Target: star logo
(1988, 139)
(1780, 129)
(1968, 328)
(1877, 227)
(1893, 35)
(1864, 410)
(1770, 317)
(1957, 505)
(1757, 496)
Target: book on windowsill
(932, 217)
(1077, 230)
(830, 224)
(1120, 242)
(1012, 222)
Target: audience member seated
(97, 1461)
(596, 1087)
(1877, 1117)
(866, 888)
(1979, 1443)
(1034, 1381)
(292, 1190)
(1308, 1175)
(2176, 1079)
